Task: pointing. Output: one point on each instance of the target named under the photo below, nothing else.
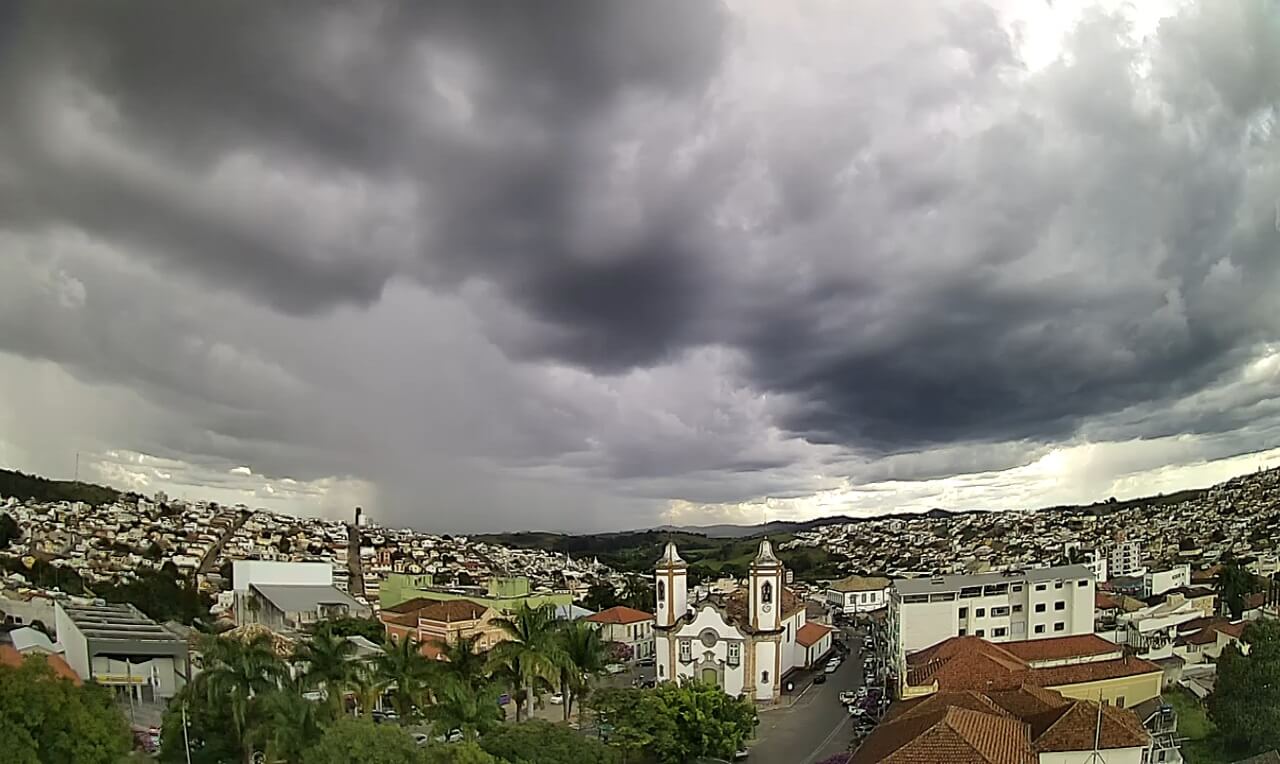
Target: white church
(746, 642)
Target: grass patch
(1202, 744)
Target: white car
(857, 711)
(831, 668)
(557, 699)
(615, 668)
(848, 698)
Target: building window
(662, 591)
(1039, 628)
(997, 612)
(764, 677)
(980, 633)
(735, 653)
(1017, 608)
(1016, 588)
(963, 631)
(1119, 701)
(686, 651)
(1057, 584)
(660, 672)
(766, 593)
(964, 612)
(1039, 607)
(1059, 626)
(1060, 605)
(1041, 587)
(980, 612)
(1084, 582)
(999, 631)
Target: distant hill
(727, 531)
(36, 488)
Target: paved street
(817, 725)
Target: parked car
(856, 710)
(820, 679)
(615, 668)
(848, 697)
(831, 668)
(646, 663)
(741, 753)
(556, 699)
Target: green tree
(474, 711)
(208, 731)
(462, 663)
(407, 671)
(638, 593)
(368, 684)
(600, 596)
(352, 740)
(584, 654)
(350, 626)
(329, 665)
(9, 530)
(45, 719)
(1234, 585)
(288, 722)
(235, 673)
(457, 753)
(530, 657)
(636, 720)
(1245, 703)
(541, 742)
(707, 721)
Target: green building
(503, 594)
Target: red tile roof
(619, 614)
(1105, 601)
(1010, 727)
(10, 656)
(809, 634)
(972, 663)
(1059, 648)
(452, 610)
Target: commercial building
(119, 647)
(1037, 603)
(1159, 582)
(501, 594)
(1086, 667)
(627, 626)
(858, 594)
(289, 596)
(433, 622)
(1021, 725)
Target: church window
(662, 591)
(686, 650)
(709, 638)
(766, 593)
(764, 677)
(735, 653)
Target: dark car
(819, 678)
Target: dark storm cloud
(725, 252)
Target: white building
(744, 642)
(119, 647)
(858, 594)
(1159, 582)
(628, 626)
(289, 595)
(1124, 558)
(999, 607)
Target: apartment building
(1124, 558)
(1035, 603)
(1159, 582)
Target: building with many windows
(1036, 603)
(626, 626)
(858, 594)
(745, 642)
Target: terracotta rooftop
(859, 584)
(1105, 601)
(1059, 648)
(1077, 673)
(452, 610)
(1009, 726)
(809, 634)
(409, 606)
(10, 656)
(972, 663)
(735, 607)
(619, 614)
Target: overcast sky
(597, 265)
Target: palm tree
(462, 663)
(238, 671)
(530, 657)
(368, 684)
(329, 665)
(584, 654)
(404, 666)
(473, 710)
(637, 593)
(289, 722)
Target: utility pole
(186, 738)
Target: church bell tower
(766, 582)
(670, 588)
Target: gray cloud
(570, 261)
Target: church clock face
(766, 607)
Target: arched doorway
(711, 676)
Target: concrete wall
(160, 670)
(246, 572)
(766, 671)
(76, 649)
(23, 612)
(1132, 689)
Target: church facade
(746, 642)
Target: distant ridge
(730, 531)
(36, 488)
